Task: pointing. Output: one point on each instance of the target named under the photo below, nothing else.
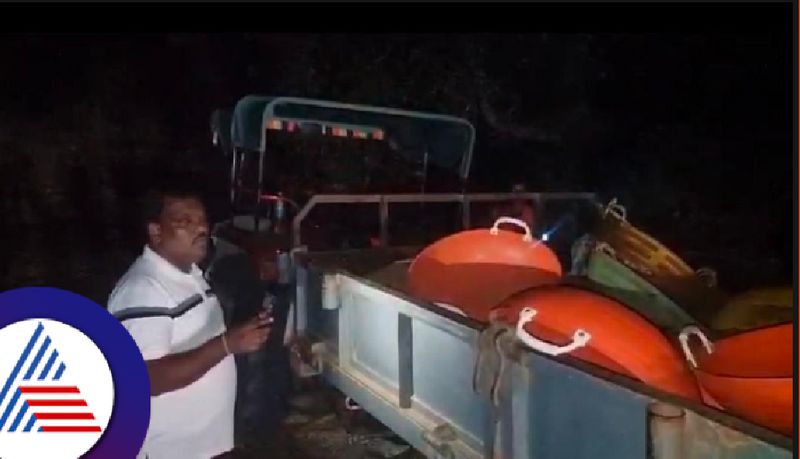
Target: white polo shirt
(167, 311)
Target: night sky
(693, 132)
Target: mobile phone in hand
(266, 311)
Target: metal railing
(383, 201)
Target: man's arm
(153, 336)
(175, 371)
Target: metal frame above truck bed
(383, 201)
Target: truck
(335, 200)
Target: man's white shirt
(168, 311)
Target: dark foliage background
(691, 132)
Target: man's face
(181, 234)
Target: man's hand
(249, 336)
(175, 371)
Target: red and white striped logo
(56, 391)
(58, 408)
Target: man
(177, 323)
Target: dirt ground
(318, 427)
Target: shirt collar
(165, 266)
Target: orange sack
(748, 374)
(475, 270)
(597, 329)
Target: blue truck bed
(454, 388)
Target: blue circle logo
(72, 380)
